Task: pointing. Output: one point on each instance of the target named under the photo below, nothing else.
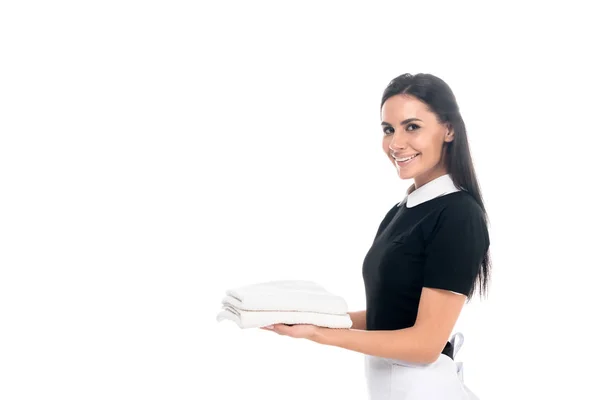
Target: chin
(408, 172)
(405, 175)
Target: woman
(429, 252)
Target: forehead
(401, 107)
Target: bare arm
(423, 342)
(359, 319)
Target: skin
(438, 309)
(410, 128)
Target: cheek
(431, 150)
(428, 145)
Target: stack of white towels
(284, 302)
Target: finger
(272, 328)
(282, 329)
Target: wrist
(320, 335)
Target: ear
(449, 136)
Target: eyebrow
(406, 121)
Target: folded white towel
(286, 295)
(257, 319)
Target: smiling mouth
(405, 160)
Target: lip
(396, 156)
(404, 163)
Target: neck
(428, 177)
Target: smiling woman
(431, 249)
(428, 255)
(414, 144)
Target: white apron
(391, 379)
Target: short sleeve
(456, 248)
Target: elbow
(430, 346)
(429, 356)
(430, 352)
(425, 348)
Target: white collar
(438, 187)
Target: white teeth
(406, 159)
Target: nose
(398, 142)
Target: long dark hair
(440, 99)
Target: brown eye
(416, 127)
(388, 130)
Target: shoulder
(462, 204)
(459, 212)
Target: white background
(154, 154)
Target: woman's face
(414, 139)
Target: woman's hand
(300, 331)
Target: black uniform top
(435, 238)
